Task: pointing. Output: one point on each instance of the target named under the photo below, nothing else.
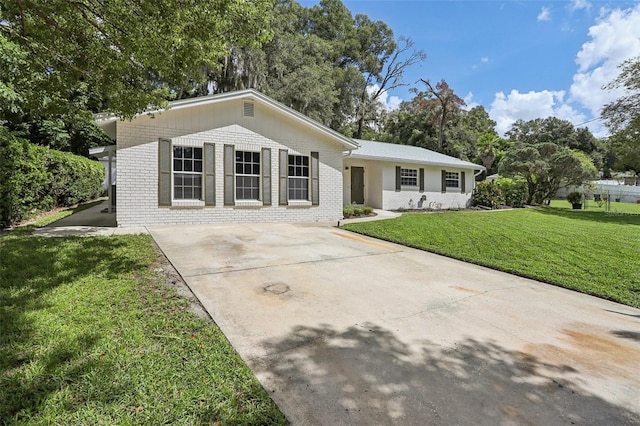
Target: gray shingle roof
(370, 150)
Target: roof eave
(414, 161)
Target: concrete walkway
(87, 223)
(342, 329)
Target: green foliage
(569, 248)
(352, 210)
(91, 334)
(25, 178)
(36, 178)
(514, 191)
(487, 194)
(574, 197)
(128, 53)
(348, 211)
(545, 167)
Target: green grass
(91, 334)
(593, 206)
(585, 250)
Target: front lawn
(586, 250)
(91, 334)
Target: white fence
(617, 192)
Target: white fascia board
(465, 165)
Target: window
(409, 177)
(452, 179)
(247, 175)
(298, 177)
(187, 173)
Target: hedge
(35, 178)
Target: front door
(357, 185)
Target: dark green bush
(487, 194)
(36, 178)
(514, 191)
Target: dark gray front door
(357, 185)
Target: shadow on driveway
(374, 378)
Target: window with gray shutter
(398, 178)
(266, 176)
(209, 174)
(229, 161)
(462, 183)
(315, 178)
(283, 190)
(444, 181)
(421, 180)
(164, 172)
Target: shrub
(36, 178)
(514, 191)
(574, 197)
(357, 211)
(488, 194)
(348, 211)
(367, 210)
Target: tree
(545, 167)
(623, 116)
(446, 102)
(384, 71)
(129, 53)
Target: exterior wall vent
(248, 109)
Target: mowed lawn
(91, 334)
(590, 251)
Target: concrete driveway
(344, 329)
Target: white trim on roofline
(461, 165)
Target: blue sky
(519, 59)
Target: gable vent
(248, 109)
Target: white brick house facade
(243, 122)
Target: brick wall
(137, 153)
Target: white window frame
(299, 176)
(252, 163)
(408, 177)
(450, 178)
(193, 173)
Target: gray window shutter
(421, 183)
(444, 181)
(229, 163)
(266, 176)
(209, 174)
(462, 183)
(315, 178)
(164, 172)
(283, 178)
(398, 180)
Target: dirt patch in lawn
(171, 277)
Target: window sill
(187, 203)
(248, 203)
(299, 203)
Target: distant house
(391, 176)
(243, 157)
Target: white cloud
(389, 103)
(484, 59)
(506, 109)
(545, 14)
(469, 102)
(614, 38)
(580, 4)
